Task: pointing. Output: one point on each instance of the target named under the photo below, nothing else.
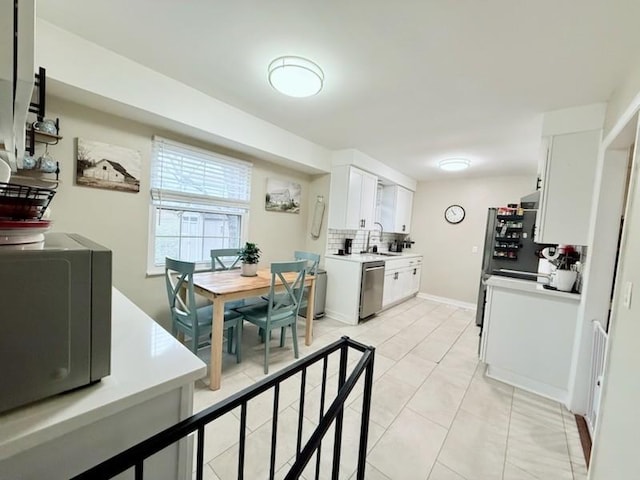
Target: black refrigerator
(509, 249)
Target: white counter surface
(146, 361)
(528, 286)
(369, 257)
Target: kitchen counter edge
(528, 286)
(361, 257)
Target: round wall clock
(454, 214)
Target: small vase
(249, 269)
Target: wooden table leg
(215, 363)
(308, 331)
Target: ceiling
(407, 82)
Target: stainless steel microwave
(55, 318)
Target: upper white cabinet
(353, 198)
(395, 209)
(566, 181)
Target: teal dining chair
(225, 259)
(281, 310)
(195, 322)
(312, 261)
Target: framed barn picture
(101, 165)
(282, 196)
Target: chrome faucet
(367, 248)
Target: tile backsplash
(335, 239)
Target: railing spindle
(274, 431)
(366, 411)
(303, 383)
(139, 475)
(323, 391)
(243, 436)
(337, 444)
(200, 453)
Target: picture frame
(106, 166)
(282, 196)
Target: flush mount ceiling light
(453, 164)
(295, 76)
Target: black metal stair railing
(135, 456)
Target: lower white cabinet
(528, 338)
(401, 279)
(344, 275)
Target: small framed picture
(282, 196)
(101, 165)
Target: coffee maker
(348, 245)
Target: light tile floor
(434, 415)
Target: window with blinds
(199, 202)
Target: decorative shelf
(507, 239)
(36, 178)
(506, 247)
(499, 257)
(510, 217)
(35, 136)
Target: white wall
(450, 268)
(615, 453)
(120, 220)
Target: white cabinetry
(343, 289)
(395, 209)
(567, 178)
(353, 198)
(14, 104)
(401, 279)
(528, 337)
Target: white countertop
(146, 361)
(528, 286)
(369, 257)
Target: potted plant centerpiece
(249, 255)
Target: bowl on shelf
(47, 126)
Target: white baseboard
(340, 317)
(447, 301)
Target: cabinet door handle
(395, 276)
(364, 222)
(415, 271)
(403, 228)
(538, 181)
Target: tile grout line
(457, 410)
(416, 390)
(506, 447)
(386, 429)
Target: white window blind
(199, 201)
(184, 174)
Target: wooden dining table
(228, 285)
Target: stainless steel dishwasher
(371, 288)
